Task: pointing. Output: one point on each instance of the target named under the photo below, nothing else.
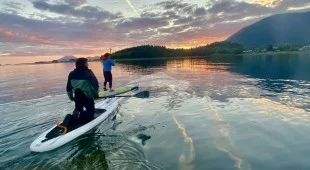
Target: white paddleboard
(105, 109)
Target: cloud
(12, 7)
(268, 3)
(76, 3)
(141, 23)
(298, 8)
(286, 4)
(79, 28)
(168, 5)
(200, 11)
(15, 36)
(233, 10)
(70, 8)
(77, 37)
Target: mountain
(67, 59)
(289, 28)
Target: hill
(149, 51)
(288, 29)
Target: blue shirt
(107, 64)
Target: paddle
(141, 94)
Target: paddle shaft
(142, 94)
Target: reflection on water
(220, 112)
(186, 162)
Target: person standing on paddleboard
(83, 85)
(107, 64)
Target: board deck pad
(57, 131)
(116, 91)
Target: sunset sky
(89, 27)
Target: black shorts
(107, 76)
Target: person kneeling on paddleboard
(107, 64)
(82, 88)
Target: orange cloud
(18, 35)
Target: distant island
(67, 59)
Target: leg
(67, 121)
(105, 80)
(105, 85)
(88, 115)
(110, 80)
(90, 109)
(79, 100)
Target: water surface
(224, 112)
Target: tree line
(150, 51)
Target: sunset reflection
(196, 65)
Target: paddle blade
(142, 94)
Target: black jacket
(84, 79)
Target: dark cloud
(230, 7)
(200, 11)
(76, 3)
(179, 6)
(142, 23)
(176, 5)
(233, 10)
(87, 12)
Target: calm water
(241, 112)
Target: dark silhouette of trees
(150, 51)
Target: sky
(33, 28)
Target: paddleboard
(117, 91)
(105, 109)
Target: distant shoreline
(276, 53)
(182, 57)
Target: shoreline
(182, 57)
(276, 53)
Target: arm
(93, 80)
(69, 88)
(112, 62)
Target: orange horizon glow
(197, 42)
(32, 38)
(96, 51)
